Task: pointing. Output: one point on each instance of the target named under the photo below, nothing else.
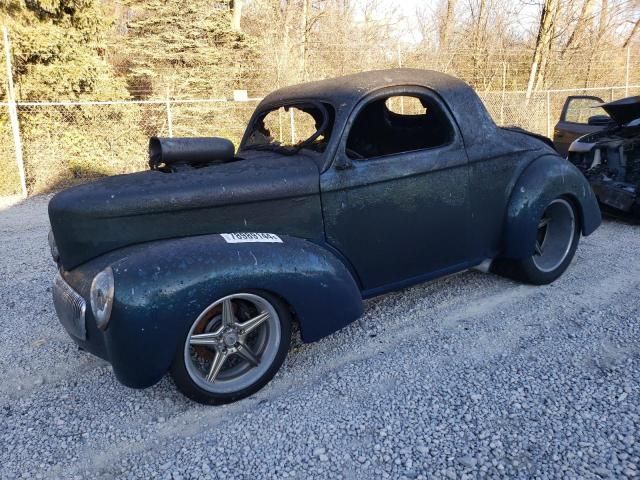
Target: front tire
(233, 349)
(557, 239)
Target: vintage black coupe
(340, 190)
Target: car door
(395, 200)
(575, 120)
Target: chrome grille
(70, 308)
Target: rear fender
(545, 179)
(161, 287)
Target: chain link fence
(9, 173)
(70, 142)
(541, 112)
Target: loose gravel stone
(468, 376)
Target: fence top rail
(257, 99)
(128, 102)
(566, 90)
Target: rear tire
(556, 243)
(233, 349)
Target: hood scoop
(176, 154)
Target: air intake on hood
(169, 154)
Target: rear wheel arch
(578, 208)
(546, 178)
(558, 234)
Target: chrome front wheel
(233, 348)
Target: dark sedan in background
(581, 114)
(603, 141)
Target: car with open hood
(340, 190)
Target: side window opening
(289, 127)
(397, 124)
(579, 110)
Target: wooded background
(163, 54)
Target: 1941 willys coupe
(200, 265)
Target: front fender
(545, 179)
(161, 287)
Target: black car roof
(351, 88)
(345, 92)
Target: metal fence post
(548, 114)
(504, 90)
(626, 73)
(13, 113)
(293, 127)
(169, 115)
(400, 66)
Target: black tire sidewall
(188, 387)
(533, 274)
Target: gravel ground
(468, 376)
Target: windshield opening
(292, 127)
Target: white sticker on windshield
(251, 237)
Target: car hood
(113, 212)
(624, 110)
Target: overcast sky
(528, 12)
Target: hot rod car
(200, 265)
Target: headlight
(53, 247)
(102, 290)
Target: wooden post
(13, 113)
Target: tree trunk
(478, 40)
(577, 36)
(304, 26)
(546, 32)
(604, 17)
(447, 25)
(236, 14)
(634, 30)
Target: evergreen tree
(57, 53)
(188, 48)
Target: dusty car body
(188, 260)
(610, 157)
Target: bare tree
(634, 30)
(446, 24)
(544, 41)
(236, 14)
(602, 22)
(582, 22)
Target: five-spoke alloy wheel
(234, 347)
